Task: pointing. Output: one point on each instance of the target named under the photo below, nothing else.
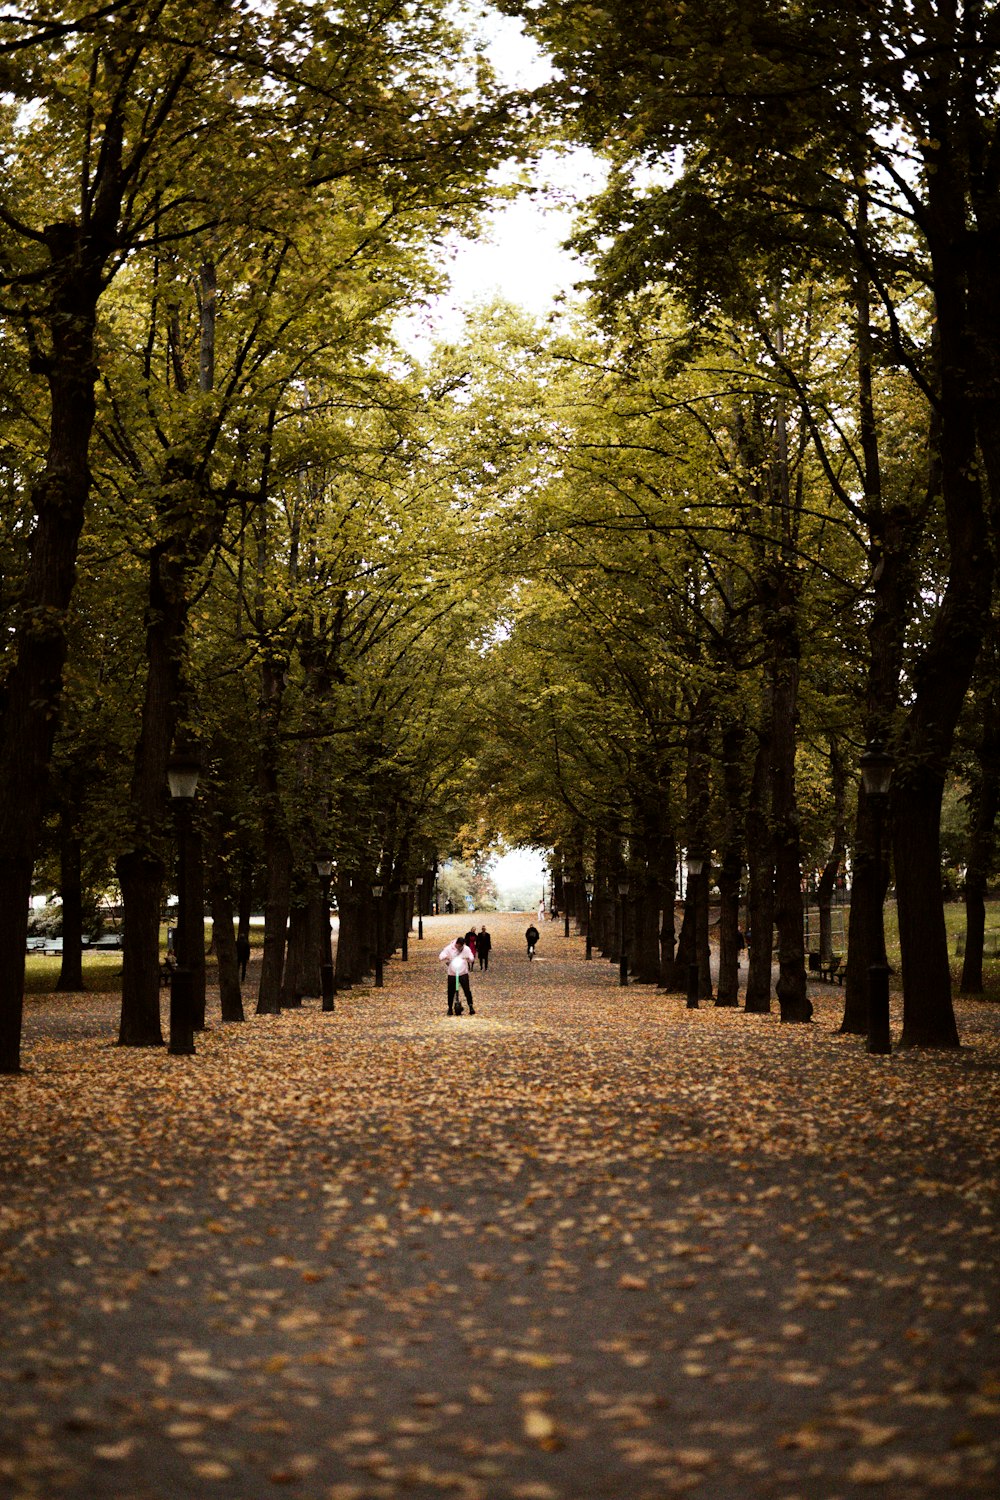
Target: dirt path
(586, 1245)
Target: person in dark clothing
(531, 938)
(242, 953)
(483, 945)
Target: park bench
(831, 969)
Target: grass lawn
(102, 972)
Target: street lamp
(183, 769)
(876, 774)
(324, 869)
(420, 908)
(588, 886)
(404, 891)
(695, 866)
(377, 893)
(622, 955)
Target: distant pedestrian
(483, 945)
(541, 910)
(242, 953)
(459, 961)
(531, 938)
(470, 943)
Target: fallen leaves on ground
(584, 1243)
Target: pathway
(585, 1245)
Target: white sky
(517, 867)
(518, 254)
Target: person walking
(483, 945)
(459, 962)
(531, 938)
(470, 943)
(242, 953)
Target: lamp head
(183, 769)
(877, 766)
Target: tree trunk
(729, 926)
(196, 919)
(230, 992)
(731, 867)
(975, 934)
(140, 876)
(967, 407)
(984, 805)
(33, 685)
(141, 868)
(760, 876)
(71, 891)
(928, 1014)
(668, 902)
(276, 907)
(15, 895)
(347, 965)
(793, 999)
(296, 956)
(703, 930)
(317, 943)
(863, 894)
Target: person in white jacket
(459, 960)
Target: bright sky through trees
(519, 256)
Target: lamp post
(377, 893)
(404, 891)
(695, 866)
(876, 774)
(420, 908)
(182, 778)
(324, 869)
(588, 886)
(622, 955)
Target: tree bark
(32, 691)
(140, 870)
(277, 902)
(984, 802)
(731, 867)
(140, 876)
(760, 875)
(230, 992)
(293, 982)
(929, 1016)
(71, 891)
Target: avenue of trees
(632, 588)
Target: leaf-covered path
(583, 1244)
